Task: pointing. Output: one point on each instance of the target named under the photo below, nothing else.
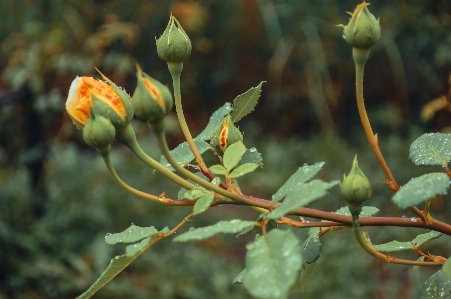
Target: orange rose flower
(80, 100)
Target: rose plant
(276, 258)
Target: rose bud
(225, 135)
(174, 44)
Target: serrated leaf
(183, 154)
(182, 190)
(119, 263)
(196, 193)
(243, 169)
(302, 175)
(301, 195)
(272, 264)
(245, 103)
(239, 278)
(438, 286)
(421, 189)
(367, 211)
(203, 203)
(311, 249)
(131, 235)
(447, 268)
(233, 155)
(218, 170)
(224, 227)
(431, 149)
(215, 120)
(398, 246)
(252, 156)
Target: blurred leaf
(243, 169)
(420, 189)
(431, 149)
(272, 264)
(367, 211)
(120, 262)
(225, 227)
(196, 193)
(131, 235)
(301, 195)
(182, 191)
(183, 154)
(302, 175)
(233, 155)
(215, 120)
(203, 203)
(218, 170)
(447, 268)
(438, 286)
(311, 249)
(398, 246)
(245, 103)
(252, 156)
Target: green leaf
(120, 262)
(131, 235)
(182, 190)
(183, 154)
(311, 249)
(243, 169)
(367, 211)
(302, 175)
(431, 149)
(233, 155)
(252, 156)
(438, 286)
(245, 103)
(272, 264)
(301, 195)
(225, 227)
(215, 120)
(398, 246)
(196, 193)
(447, 268)
(218, 170)
(203, 203)
(420, 189)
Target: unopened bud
(174, 44)
(99, 132)
(356, 187)
(152, 100)
(363, 30)
(225, 135)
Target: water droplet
(413, 219)
(132, 223)
(108, 234)
(404, 216)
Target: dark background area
(57, 200)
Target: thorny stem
(360, 57)
(159, 199)
(366, 244)
(176, 69)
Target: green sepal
(99, 132)
(174, 45)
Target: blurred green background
(57, 200)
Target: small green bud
(99, 132)
(363, 30)
(356, 187)
(174, 44)
(152, 100)
(225, 135)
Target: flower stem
(161, 199)
(365, 243)
(360, 57)
(176, 70)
